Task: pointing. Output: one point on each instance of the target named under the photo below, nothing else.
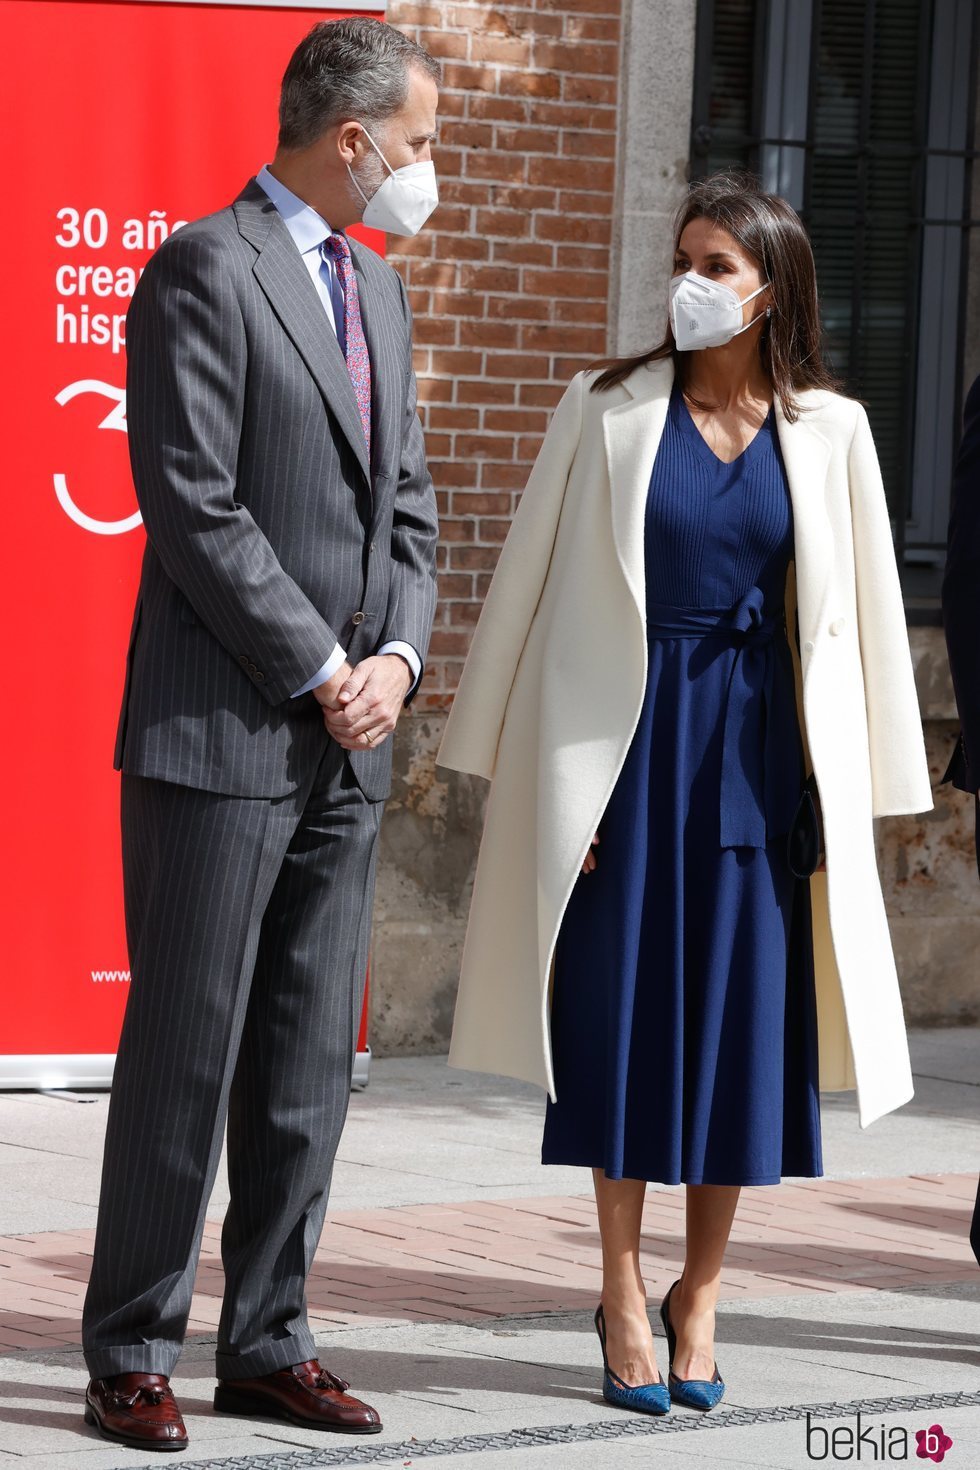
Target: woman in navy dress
(683, 1014)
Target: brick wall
(509, 279)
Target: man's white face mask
(404, 200)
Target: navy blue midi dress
(683, 1016)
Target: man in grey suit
(283, 616)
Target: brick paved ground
(474, 1260)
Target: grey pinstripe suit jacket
(267, 530)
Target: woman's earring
(768, 312)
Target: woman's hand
(589, 863)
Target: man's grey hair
(353, 68)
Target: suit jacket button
(357, 618)
(808, 647)
(243, 660)
(259, 677)
(836, 626)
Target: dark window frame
(919, 500)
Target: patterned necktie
(358, 362)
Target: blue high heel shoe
(696, 1393)
(644, 1398)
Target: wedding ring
(368, 737)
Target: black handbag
(804, 844)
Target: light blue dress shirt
(309, 230)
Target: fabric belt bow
(760, 779)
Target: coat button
(259, 676)
(808, 647)
(243, 660)
(836, 626)
(357, 618)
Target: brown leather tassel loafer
(136, 1409)
(304, 1394)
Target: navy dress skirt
(683, 1015)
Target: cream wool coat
(553, 686)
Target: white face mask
(403, 202)
(705, 313)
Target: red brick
(528, 140)
(454, 418)
(456, 364)
(568, 173)
(468, 502)
(591, 28)
(521, 308)
(488, 278)
(452, 473)
(588, 89)
(523, 198)
(475, 558)
(515, 420)
(547, 337)
(564, 228)
(411, 13)
(448, 643)
(501, 222)
(544, 394)
(581, 311)
(509, 168)
(432, 273)
(484, 446)
(494, 531)
(577, 143)
(497, 109)
(522, 252)
(496, 476)
(530, 84)
(578, 58)
(552, 114)
(452, 218)
(456, 530)
(585, 284)
(516, 365)
(489, 334)
(465, 191)
(466, 135)
(464, 614)
(431, 332)
(528, 447)
(435, 390)
(443, 43)
(505, 50)
(580, 203)
(456, 585)
(468, 77)
(484, 392)
(457, 303)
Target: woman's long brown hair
(771, 232)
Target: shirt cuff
(409, 655)
(331, 666)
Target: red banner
(120, 121)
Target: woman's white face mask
(404, 200)
(706, 313)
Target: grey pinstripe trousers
(248, 923)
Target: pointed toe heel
(694, 1393)
(642, 1398)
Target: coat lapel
(806, 454)
(280, 272)
(632, 432)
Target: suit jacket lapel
(280, 271)
(384, 444)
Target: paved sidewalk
(456, 1279)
